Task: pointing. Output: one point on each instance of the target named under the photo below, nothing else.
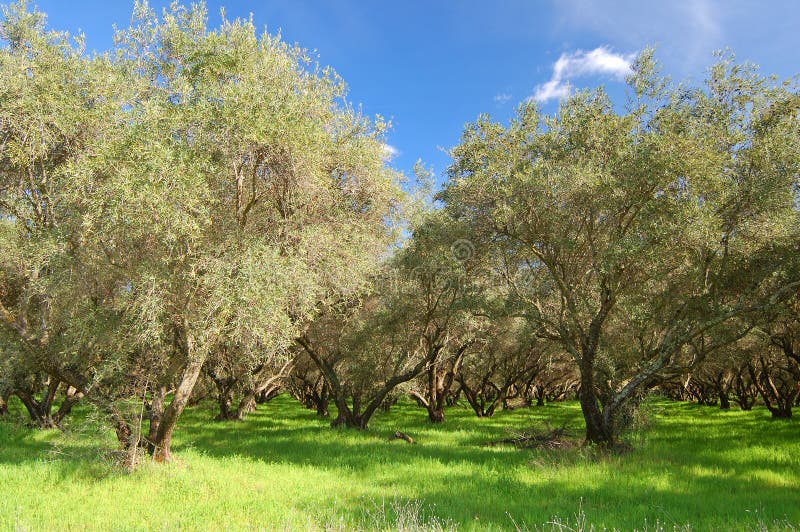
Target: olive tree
(412, 319)
(234, 192)
(55, 105)
(665, 217)
(196, 192)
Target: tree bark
(778, 393)
(246, 405)
(123, 430)
(267, 389)
(225, 387)
(539, 394)
(40, 412)
(598, 430)
(435, 392)
(4, 402)
(322, 399)
(71, 397)
(191, 372)
(225, 402)
(724, 402)
(436, 415)
(781, 412)
(154, 414)
(440, 382)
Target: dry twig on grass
(551, 438)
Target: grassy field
(284, 468)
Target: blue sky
(433, 66)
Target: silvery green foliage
(639, 232)
(194, 189)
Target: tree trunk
(225, 401)
(246, 405)
(436, 415)
(540, 396)
(451, 399)
(40, 412)
(71, 397)
(779, 393)
(155, 413)
(598, 430)
(4, 402)
(344, 418)
(435, 411)
(472, 399)
(435, 392)
(129, 438)
(724, 402)
(356, 418)
(783, 411)
(163, 439)
(322, 400)
(225, 388)
(348, 418)
(123, 430)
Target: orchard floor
(694, 467)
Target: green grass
(285, 468)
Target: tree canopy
(201, 212)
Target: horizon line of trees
(201, 213)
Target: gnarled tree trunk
(163, 439)
(355, 417)
(154, 414)
(71, 397)
(539, 394)
(40, 412)
(599, 427)
(439, 383)
(778, 387)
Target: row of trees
(202, 211)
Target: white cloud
(389, 152)
(600, 61)
(502, 98)
(555, 88)
(685, 32)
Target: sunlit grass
(285, 468)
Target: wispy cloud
(502, 98)
(685, 32)
(389, 152)
(600, 61)
(703, 17)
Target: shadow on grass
(696, 460)
(77, 453)
(712, 468)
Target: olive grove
(200, 213)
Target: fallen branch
(557, 438)
(402, 436)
